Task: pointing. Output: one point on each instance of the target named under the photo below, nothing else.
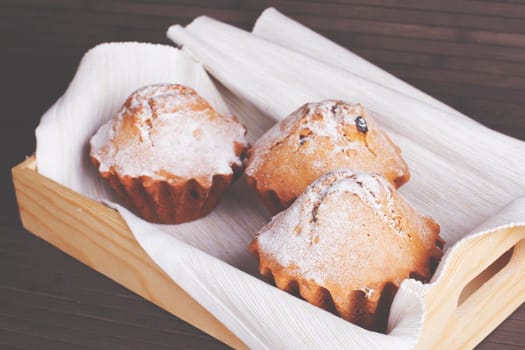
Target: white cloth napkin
(463, 174)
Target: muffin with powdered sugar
(169, 153)
(346, 244)
(313, 140)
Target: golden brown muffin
(346, 244)
(315, 139)
(169, 153)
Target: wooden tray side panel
(98, 237)
(448, 325)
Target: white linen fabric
(468, 177)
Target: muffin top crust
(168, 132)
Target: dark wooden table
(469, 54)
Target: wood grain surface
(470, 54)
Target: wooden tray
(484, 282)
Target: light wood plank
(449, 326)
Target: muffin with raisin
(313, 140)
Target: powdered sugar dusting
(168, 132)
(372, 189)
(328, 118)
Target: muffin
(313, 140)
(346, 244)
(169, 153)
